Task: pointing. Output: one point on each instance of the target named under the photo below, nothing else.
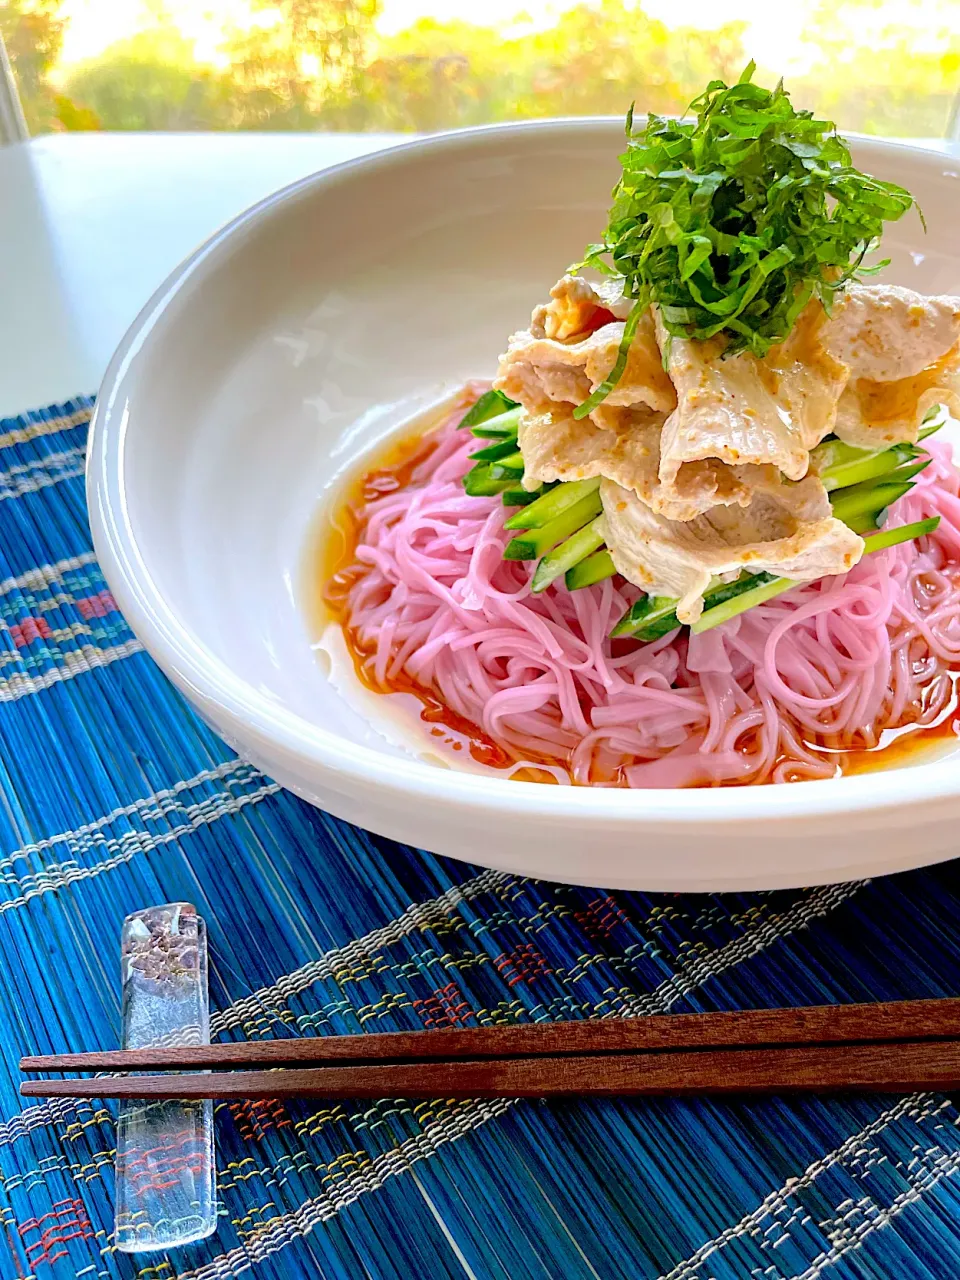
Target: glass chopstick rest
(166, 1165)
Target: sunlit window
(875, 66)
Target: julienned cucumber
(903, 533)
(502, 427)
(532, 544)
(479, 482)
(495, 469)
(576, 548)
(492, 404)
(593, 569)
(839, 465)
(495, 433)
(554, 503)
(511, 465)
(517, 497)
(499, 449)
(868, 501)
(659, 616)
(648, 618)
(507, 422)
(563, 516)
(872, 467)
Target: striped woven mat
(115, 796)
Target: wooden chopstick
(899, 1068)
(911, 1020)
(893, 1047)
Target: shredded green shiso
(732, 221)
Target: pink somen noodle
(775, 695)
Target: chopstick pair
(894, 1047)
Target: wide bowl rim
(244, 715)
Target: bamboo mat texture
(115, 796)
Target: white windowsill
(91, 224)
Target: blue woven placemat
(114, 796)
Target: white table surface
(91, 224)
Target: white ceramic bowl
(281, 352)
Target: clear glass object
(166, 1167)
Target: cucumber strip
(832, 454)
(902, 533)
(661, 611)
(553, 504)
(661, 626)
(495, 433)
(511, 466)
(869, 466)
(870, 500)
(505, 424)
(861, 506)
(576, 548)
(480, 483)
(777, 586)
(911, 471)
(838, 464)
(866, 523)
(500, 449)
(654, 615)
(724, 591)
(534, 543)
(519, 497)
(593, 569)
(490, 405)
(740, 604)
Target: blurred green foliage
(32, 31)
(905, 83)
(320, 64)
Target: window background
(874, 66)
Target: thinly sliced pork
(571, 346)
(709, 432)
(886, 333)
(742, 410)
(624, 445)
(786, 530)
(871, 414)
(903, 354)
(578, 306)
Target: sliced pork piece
(873, 413)
(557, 447)
(578, 307)
(786, 530)
(624, 445)
(903, 353)
(708, 431)
(887, 333)
(869, 372)
(742, 410)
(571, 346)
